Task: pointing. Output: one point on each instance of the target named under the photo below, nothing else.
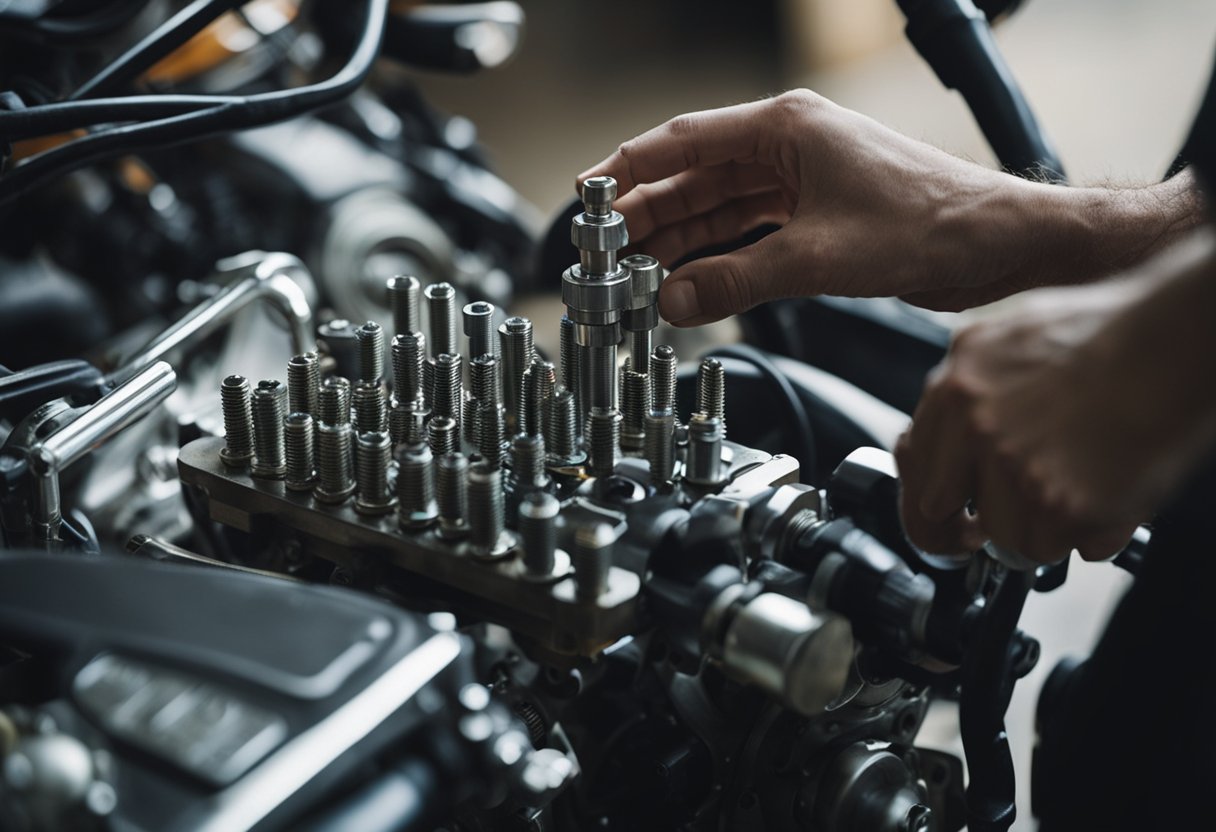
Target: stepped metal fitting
(333, 401)
(373, 451)
(238, 421)
(642, 316)
(488, 537)
(335, 465)
(269, 408)
(298, 430)
(561, 431)
(479, 328)
(441, 312)
(703, 465)
(515, 342)
(711, 390)
(303, 383)
(402, 296)
(416, 505)
(592, 559)
(635, 404)
(452, 495)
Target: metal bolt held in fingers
(371, 352)
(303, 383)
(402, 295)
(452, 495)
(416, 505)
(516, 347)
(441, 313)
(661, 446)
(561, 430)
(592, 559)
(635, 404)
(603, 440)
(373, 451)
(238, 421)
(298, 431)
(663, 364)
(711, 390)
(443, 435)
(704, 463)
(488, 537)
(333, 402)
(335, 466)
(370, 407)
(479, 328)
(538, 535)
(269, 408)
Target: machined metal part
(543, 560)
(370, 407)
(448, 395)
(236, 407)
(635, 405)
(516, 347)
(371, 353)
(528, 464)
(488, 536)
(711, 390)
(663, 365)
(704, 464)
(479, 328)
(570, 373)
(408, 351)
(373, 450)
(642, 316)
(402, 293)
(443, 435)
(592, 560)
(299, 440)
(407, 422)
(416, 503)
(441, 312)
(484, 379)
(269, 410)
(603, 441)
(561, 430)
(333, 401)
(492, 432)
(303, 383)
(867, 787)
(539, 380)
(335, 463)
(338, 342)
(661, 446)
(452, 495)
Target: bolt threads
(704, 462)
(303, 383)
(484, 378)
(528, 462)
(538, 531)
(334, 462)
(407, 352)
(635, 404)
(570, 370)
(561, 428)
(402, 295)
(492, 430)
(539, 380)
(452, 492)
(663, 378)
(238, 420)
(416, 486)
(269, 408)
(449, 387)
(373, 450)
(601, 372)
(371, 352)
(370, 407)
(468, 419)
(333, 401)
(603, 438)
(640, 346)
(441, 312)
(443, 435)
(661, 445)
(711, 390)
(407, 423)
(298, 439)
(515, 340)
(592, 560)
(486, 508)
(479, 328)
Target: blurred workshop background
(1114, 82)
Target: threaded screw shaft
(604, 438)
(479, 328)
(298, 439)
(443, 435)
(370, 407)
(441, 312)
(640, 346)
(539, 380)
(492, 431)
(333, 401)
(452, 493)
(487, 512)
(484, 379)
(303, 383)
(711, 390)
(238, 421)
(371, 352)
(538, 532)
(449, 387)
(635, 404)
(601, 376)
(407, 422)
(661, 445)
(402, 295)
(704, 463)
(528, 463)
(269, 408)
(335, 465)
(515, 341)
(663, 364)
(592, 560)
(407, 353)
(561, 429)
(373, 451)
(416, 505)
(571, 372)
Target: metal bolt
(335, 466)
(561, 430)
(441, 311)
(416, 505)
(528, 464)
(443, 435)
(402, 294)
(598, 369)
(452, 491)
(269, 405)
(538, 532)
(635, 404)
(373, 450)
(408, 351)
(407, 422)
(603, 440)
(338, 340)
(539, 380)
(468, 419)
(487, 534)
(711, 390)
(369, 405)
(663, 364)
(515, 341)
(661, 445)
(303, 383)
(371, 352)
(704, 463)
(492, 430)
(333, 401)
(570, 371)
(428, 381)
(238, 421)
(592, 560)
(483, 375)
(449, 387)
(298, 432)
(479, 328)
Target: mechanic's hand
(866, 211)
(1068, 422)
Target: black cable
(794, 406)
(243, 113)
(61, 116)
(51, 28)
(155, 45)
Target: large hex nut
(769, 519)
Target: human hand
(1068, 422)
(866, 211)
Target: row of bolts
(302, 432)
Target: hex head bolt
(479, 328)
(635, 405)
(373, 450)
(561, 431)
(416, 506)
(516, 347)
(663, 365)
(539, 380)
(441, 313)
(452, 495)
(333, 401)
(370, 408)
(298, 436)
(488, 537)
(335, 466)
(269, 408)
(592, 560)
(303, 383)
(704, 463)
(371, 352)
(661, 446)
(238, 421)
(711, 390)
(402, 295)
(604, 441)
(538, 534)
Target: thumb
(713, 288)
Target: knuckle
(683, 126)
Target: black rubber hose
(401, 799)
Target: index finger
(739, 133)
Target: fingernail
(678, 301)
